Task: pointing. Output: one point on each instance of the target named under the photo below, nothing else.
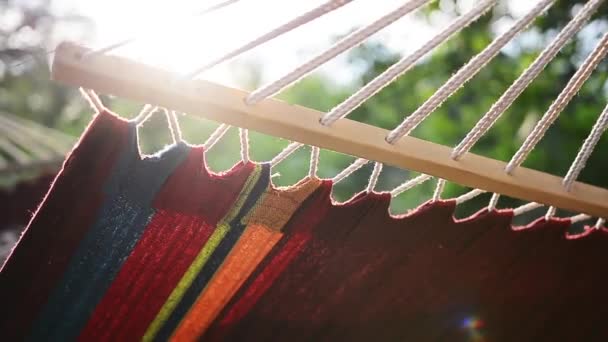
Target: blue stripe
(237, 226)
(123, 217)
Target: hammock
(130, 247)
(30, 156)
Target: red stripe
(298, 233)
(189, 206)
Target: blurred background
(41, 120)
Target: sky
(172, 37)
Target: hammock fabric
(19, 203)
(126, 247)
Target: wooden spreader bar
(135, 81)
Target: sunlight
(179, 40)
(182, 40)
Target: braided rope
(579, 218)
(130, 40)
(300, 20)
(410, 184)
(583, 155)
(403, 65)
(522, 82)
(276, 32)
(541, 127)
(176, 132)
(219, 132)
(244, 137)
(550, 213)
(469, 195)
(373, 178)
(493, 201)
(438, 189)
(344, 44)
(92, 99)
(526, 208)
(143, 114)
(398, 69)
(314, 162)
(286, 152)
(573, 86)
(356, 165)
(585, 152)
(465, 73)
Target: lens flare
(473, 325)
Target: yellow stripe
(201, 258)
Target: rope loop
(314, 162)
(244, 137)
(373, 178)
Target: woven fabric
(263, 231)
(426, 277)
(297, 234)
(123, 216)
(188, 208)
(157, 248)
(67, 213)
(209, 258)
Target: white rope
(244, 136)
(465, 73)
(573, 86)
(438, 189)
(94, 101)
(176, 132)
(579, 218)
(314, 162)
(468, 196)
(499, 107)
(286, 152)
(356, 165)
(403, 65)
(410, 184)
(525, 208)
(143, 113)
(130, 40)
(600, 222)
(219, 132)
(344, 44)
(550, 213)
(493, 201)
(373, 178)
(278, 31)
(298, 21)
(585, 152)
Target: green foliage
(61, 108)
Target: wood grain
(128, 79)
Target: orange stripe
(255, 242)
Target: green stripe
(201, 258)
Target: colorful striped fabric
(262, 232)
(188, 208)
(209, 258)
(123, 217)
(425, 277)
(156, 248)
(54, 233)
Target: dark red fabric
(297, 234)
(20, 202)
(426, 277)
(188, 208)
(45, 248)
